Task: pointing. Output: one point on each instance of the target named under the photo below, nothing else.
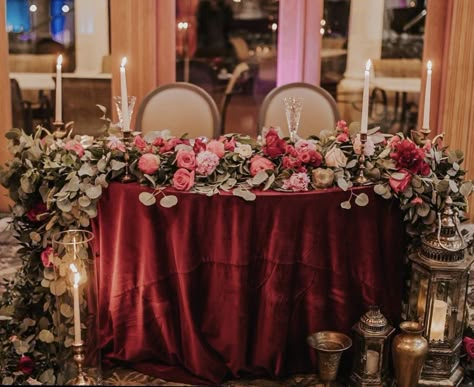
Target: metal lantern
(437, 298)
(372, 333)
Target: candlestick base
(361, 179)
(82, 379)
(126, 138)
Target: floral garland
(56, 183)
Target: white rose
(243, 150)
(335, 158)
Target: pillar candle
(372, 364)
(58, 105)
(438, 320)
(77, 311)
(426, 109)
(365, 99)
(123, 89)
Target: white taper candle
(426, 109)
(124, 95)
(58, 117)
(365, 98)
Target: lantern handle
(457, 230)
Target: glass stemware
(118, 105)
(293, 107)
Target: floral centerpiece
(56, 183)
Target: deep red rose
(400, 184)
(26, 365)
(290, 150)
(199, 145)
(425, 169)
(170, 144)
(408, 156)
(290, 162)
(469, 347)
(274, 145)
(34, 214)
(140, 143)
(229, 145)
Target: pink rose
(75, 146)
(216, 147)
(186, 159)
(259, 163)
(26, 365)
(305, 145)
(290, 150)
(45, 256)
(229, 145)
(343, 137)
(393, 141)
(416, 201)
(342, 126)
(206, 162)
(169, 145)
(183, 180)
(199, 145)
(149, 163)
(140, 143)
(469, 347)
(297, 182)
(400, 184)
(116, 144)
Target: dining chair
(181, 108)
(319, 108)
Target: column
(299, 41)
(5, 106)
(144, 32)
(91, 35)
(364, 42)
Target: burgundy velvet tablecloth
(218, 288)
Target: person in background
(214, 19)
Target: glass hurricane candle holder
(74, 284)
(118, 106)
(293, 108)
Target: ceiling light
(33, 8)
(65, 8)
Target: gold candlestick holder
(82, 379)
(126, 138)
(361, 179)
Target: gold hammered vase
(409, 349)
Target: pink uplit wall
(299, 41)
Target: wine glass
(293, 107)
(118, 105)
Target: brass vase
(409, 349)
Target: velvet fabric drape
(218, 288)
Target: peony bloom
(400, 184)
(305, 145)
(186, 159)
(216, 147)
(297, 182)
(35, 213)
(140, 143)
(243, 150)
(259, 163)
(115, 144)
(76, 147)
(45, 256)
(469, 347)
(26, 365)
(323, 177)
(149, 163)
(206, 162)
(274, 145)
(183, 180)
(335, 158)
(408, 156)
(369, 148)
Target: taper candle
(426, 109)
(365, 98)
(58, 105)
(77, 312)
(123, 89)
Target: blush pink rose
(259, 163)
(186, 159)
(149, 163)
(183, 180)
(206, 162)
(401, 183)
(297, 182)
(417, 200)
(75, 146)
(343, 137)
(216, 147)
(140, 143)
(45, 256)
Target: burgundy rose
(259, 163)
(45, 256)
(400, 183)
(274, 145)
(169, 145)
(35, 213)
(199, 145)
(183, 180)
(290, 150)
(469, 347)
(408, 156)
(229, 145)
(140, 143)
(26, 365)
(290, 162)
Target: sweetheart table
(217, 287)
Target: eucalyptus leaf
(117, 165)
(244, 194)
(453, 186)
(94, 191)
(385, 153)
(346, 205)
(64, 205)
(466, 188)
(147, 198)
(442, 186)
(362, 200)
(46, 336)
(380, 189)
(342, 183)
(58, 287)
(7, 381)
(84, 201)
(270, 181)
(423, 209)
(86, 170)
(259, 178)
(168, 201)
(351, 164)
(48, 377)
(66, 310)
(21, 347)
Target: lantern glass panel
(373, 358)
(441, 305)
(418, 293)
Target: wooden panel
(5, 106)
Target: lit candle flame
(60, 60)
(368, 65)
(77, 276)
(124, 61)
(429, 65)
